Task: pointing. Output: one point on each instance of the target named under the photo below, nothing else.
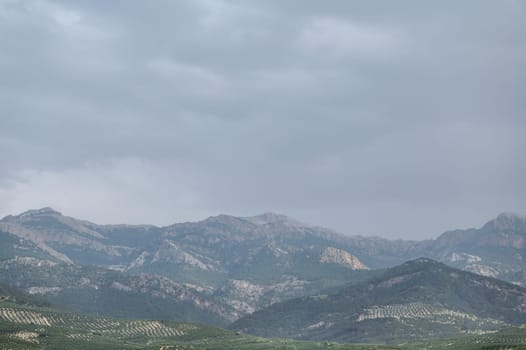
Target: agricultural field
(415, 311)
(32, 327)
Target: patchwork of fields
(31, 327)
(417, 311)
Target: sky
(399, 119)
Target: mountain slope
(496, 249)
(32, 327)
(416, 300)
(112, 293)
(71, 240)
(248, 263)
(277, 257)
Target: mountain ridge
(506, 219)
(248, 263)
(419, 299)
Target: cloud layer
(399, 119)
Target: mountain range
(223, 268)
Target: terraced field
(93, 325)
(422, 311)
(31, 327)
(23, 317)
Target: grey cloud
(339, 113)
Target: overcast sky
(399, 119)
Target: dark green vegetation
(25, 326)
(421, 299)
(105, 292)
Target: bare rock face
(508, 222)
(481, 269)
(331, 255)
(246, 297)
(171, 252)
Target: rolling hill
(26, 327)
(420, 299)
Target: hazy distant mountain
(237, 264)
(75, 241)
(242, 264)
(421, 299)
(497, 249)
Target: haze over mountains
(343, 119)
(223, 268)
(495, 249)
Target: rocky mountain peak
(273, 218)
(418, 265)
(46, 211)
(423, 261)
(223, 219)
(508, 222)
(341, 257)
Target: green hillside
(32, 327)
(421, 299)
(111, 293)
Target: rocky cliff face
(497, 249)
(341, 257)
